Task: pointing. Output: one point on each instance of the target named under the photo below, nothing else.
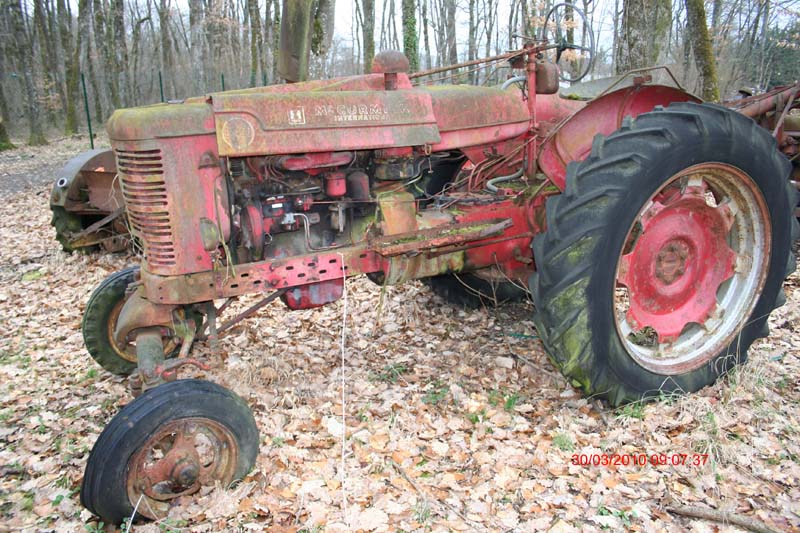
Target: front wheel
(666, 253)
(168, 444)
(100, 321)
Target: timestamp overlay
(639, 459)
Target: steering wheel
(559, 15)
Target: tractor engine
(296, 187)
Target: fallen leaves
(481, 437)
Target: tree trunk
(490, 13)
(703, 53)
(120, 52)
(276, 35)
(168, 75)
(472, 43)
(255, 33)
(22, 48)
(450, 31)
(52, 86)
(72, 59)
(5, 142)
(4, 52)
(263, 36)
(425, 38)
(322, 31)
(368, 33)
(295, 40)
(197, 45)
(410, 35)
(643, 30)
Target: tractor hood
(332, 115)
(321, 121)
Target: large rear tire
(666, 253)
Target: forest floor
(455, 420)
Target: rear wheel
(168, 444)
(666, 253)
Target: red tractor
(653, 232)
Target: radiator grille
(147, 203)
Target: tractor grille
(147, 203)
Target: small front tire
(99, 321)
(165, 445)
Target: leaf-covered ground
(455, 420)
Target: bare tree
(255, 34)
(71, 57)
(295, 40)
(644, 27)
(426, 39)
(22, 50)
(368, 32)
(703, 52)
(410, 38)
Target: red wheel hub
(678, 262)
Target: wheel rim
(180, 458)
(692, 268)
(128, 351)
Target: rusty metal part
(437, 70)
(665, 68)
(389, 61)
(572, 141)
(122, 344)
(320, 160)
(546, 77)
(250, 311)
(140, 312)
(785, 111)
(149, 357)
(761, 104)
(177, 460)
(87, 236)
(438, 237)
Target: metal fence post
(161, 86)
(222, 77)
(86, 108)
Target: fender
(70, 178)
(572, 140)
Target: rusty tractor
(652, 231)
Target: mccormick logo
(297, 116)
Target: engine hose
(515, 79)
(491, 185)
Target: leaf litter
(455, 420)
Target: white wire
(343, 471)
(135, 507)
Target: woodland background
(457, 422)
(134, 52)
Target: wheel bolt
(187, 475)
